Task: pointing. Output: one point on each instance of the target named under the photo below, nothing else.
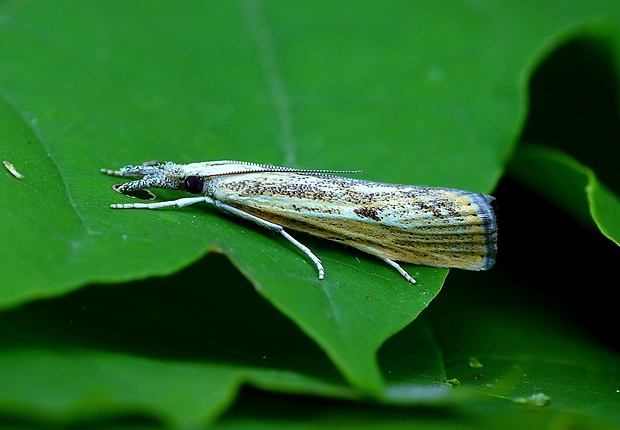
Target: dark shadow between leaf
(206, 312)
(574, 97)
(574, 105)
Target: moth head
(168, 176)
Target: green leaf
(571, 151)
(570, 185)
(152, 348)
(181, 354)
(203, 94)
(116, 384)
(217, 80)
(530, 352)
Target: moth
(430, 226)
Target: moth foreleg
(274, 227)
(179, 203)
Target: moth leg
(179, 203)
(402, 271)
(274, 227)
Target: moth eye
(194, 184)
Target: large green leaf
(180, 355)
(108, 85)
(152, 347)
(104, 96)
